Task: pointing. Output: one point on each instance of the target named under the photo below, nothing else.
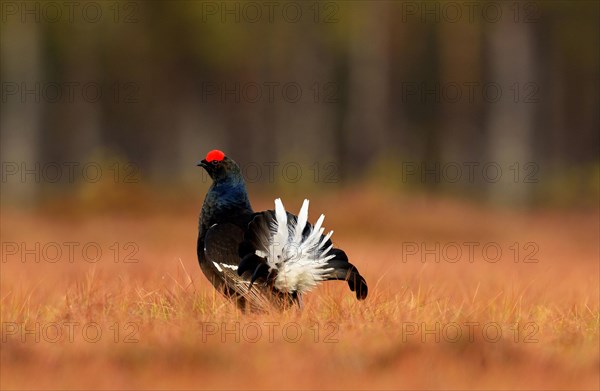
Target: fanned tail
(288, 253)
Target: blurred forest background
(402, 95)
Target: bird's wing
(289, 253)
(221, 250)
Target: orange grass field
(445, 309)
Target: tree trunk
(510, 123)
(20, 115)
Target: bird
(267, 260)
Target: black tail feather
(261, 271)
(249, 263)
(344, 270)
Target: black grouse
(267, 259)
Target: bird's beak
(202, 163)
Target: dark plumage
(266, 259)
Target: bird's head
(220, 167)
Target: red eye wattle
(215, 154)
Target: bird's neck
(229, 192)
(226, 202)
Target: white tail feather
(301, 223)
(300, 263)
(319, 222)
(279, 241)
(325, 239)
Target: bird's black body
(226, 205)
(231, 236)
